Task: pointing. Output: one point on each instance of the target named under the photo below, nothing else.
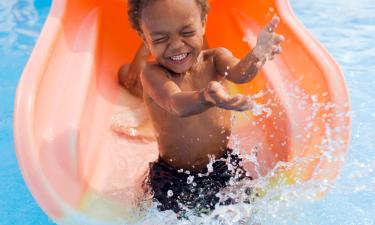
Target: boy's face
(173, 31)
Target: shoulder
(214, 54)
(218, 54)
(151, 68)
(152, 78)
(221, 51)
(153, 71)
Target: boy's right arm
(169, 96)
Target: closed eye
(188, 33)
(159, 40)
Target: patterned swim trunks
(179, 190)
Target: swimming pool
(346, 28)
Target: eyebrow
(186, 26)
(158, 33)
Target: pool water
(20, 24)
(345, 27)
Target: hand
(129, 74)
(127, 79)
(268, 43)
(217, 95)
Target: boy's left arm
(244, 70)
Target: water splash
(273, 199)
(18, 29)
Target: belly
(188, 142)
(193, 150)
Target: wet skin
(183, 90)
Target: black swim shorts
(179, 190)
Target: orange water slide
(81, 171)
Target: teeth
(179, 57)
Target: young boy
(188, 105)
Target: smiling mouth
(178, 59)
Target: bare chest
(195, 80)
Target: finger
(278, 39)
(271, 26)
(244, 106)
(241, 105)
(276, 50)
(229, 102)
(248, 104)
(232, 100)
(220, 96)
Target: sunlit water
(345, 27)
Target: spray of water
(270, 199)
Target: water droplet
(190, 179)
(132, 132)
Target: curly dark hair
(135, 8)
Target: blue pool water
(20, 24)
(345, 27)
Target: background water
(20, 24)
(345, 27)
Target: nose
(176, 45)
